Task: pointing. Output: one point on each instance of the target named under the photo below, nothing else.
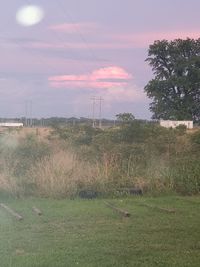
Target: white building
(174, 124)
(11, 124)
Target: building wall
(11, 124)
(174, 124)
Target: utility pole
(31, 110)
(26, 113)
(100, 112)
(94, 99)
(93, 111)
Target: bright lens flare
(29, 15)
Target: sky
(83, 49)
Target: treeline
(61, 121)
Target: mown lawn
(87, 233)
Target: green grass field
(87, 233)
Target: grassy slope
(87, 233)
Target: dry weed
(62, 174)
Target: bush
(195, 138)
(17, 157)
(185, 180)
(27, 153)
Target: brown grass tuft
(62, 174)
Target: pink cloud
(115, 41)
(104, 39)
(115, 83)
(79, 45)
(107, 77)
(73, 28)
(111, 73)
(145, 39)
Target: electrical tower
(94, 101)
(28, 113)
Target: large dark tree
(175, 90)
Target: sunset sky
(86, 48)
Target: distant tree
(125, 117)
(175, 90)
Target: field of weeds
(68, 162)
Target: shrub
(17, 158)
(195, 138)
(27, 153)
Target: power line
(69, 17)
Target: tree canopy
(125, 117)
(175, 90)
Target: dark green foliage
(78, 135)
(125, 117)
(181, 129)
(185, 173)
(28, 152)
(195, 138)
(20, 156)
(175, 90)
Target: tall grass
(61, 175)
(53, 167)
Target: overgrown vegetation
(77, 159)
(139, 154)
